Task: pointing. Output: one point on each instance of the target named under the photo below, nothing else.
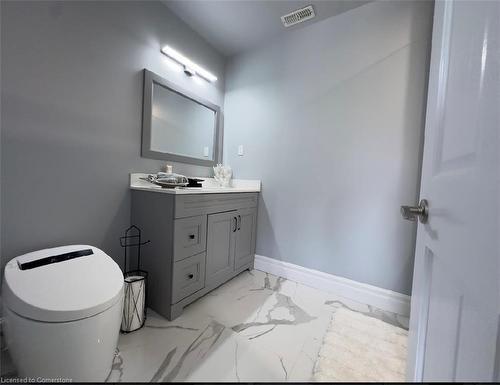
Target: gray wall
(71, 115)
(331, 117)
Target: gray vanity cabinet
(198, 242)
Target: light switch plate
(240, 150)
(205, 151)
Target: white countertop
(209, 186)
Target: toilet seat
(62, 291)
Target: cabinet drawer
(198, 204)
(189, 236)
(188, 277)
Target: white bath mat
(361, 348)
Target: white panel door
(455, 298)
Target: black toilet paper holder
(135, 283)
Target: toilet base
(80, 350)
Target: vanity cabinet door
(221, 234)
(245, 237)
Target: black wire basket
(134, 302)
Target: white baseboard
(361, 292)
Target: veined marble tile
(237, 359)
(383, 315)
(143, 352)
(303, 368)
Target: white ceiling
(232, 26)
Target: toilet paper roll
(134, 302)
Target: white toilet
(62, 311)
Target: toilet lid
(62, 284)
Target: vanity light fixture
(190, 67)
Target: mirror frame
(150, 79)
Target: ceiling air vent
(298, 16)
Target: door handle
(411, 213)
(239, 222)
(235, 224)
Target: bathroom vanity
(200, 238)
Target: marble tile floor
(256, 327)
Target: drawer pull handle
(239, 222)
(190, 276)
(191, 236)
